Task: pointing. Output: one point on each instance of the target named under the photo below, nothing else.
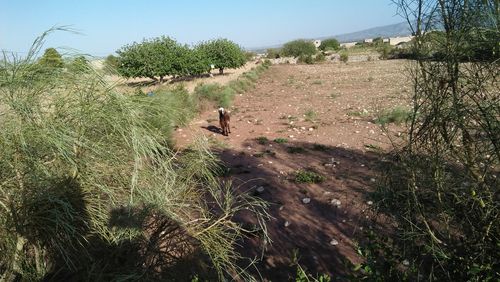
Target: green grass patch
(308, 176)
(310, 115)
(397, 115)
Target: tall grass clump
(442, 185)
(89, 189)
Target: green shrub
(213, 92)
(296, 150)
(273, 53)
(329, 44)
(308, 176)
(298, 48)
(398, 115)
(281, 140)
(320, 57)
(307, 59)
(344, 56)
(262, 140)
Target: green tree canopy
(299, 47)
(151, 58)
(51, 59)
(223, 53)
(329, 44)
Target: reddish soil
(337, 139)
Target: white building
(348, 44)
(398, 40)
(369, 40)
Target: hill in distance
(392, 30)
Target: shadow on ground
(308, 232)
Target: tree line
(163, 56)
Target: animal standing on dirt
(224, 121)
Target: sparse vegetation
(310, 115)
(281, 140)
(344, 56)
(262, 140)
(308, 176)
(397, 115)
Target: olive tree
(329, 44)
(222, 53)
(151, 58)
(298, 48)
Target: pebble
(334, 242)
(406, 262)
(260, 189)
(372, 179)
(369, 203)
(311, 129)
(287, 223)
(336, 202)
(306, 200)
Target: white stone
(334, 242)
(306, 200)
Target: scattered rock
(406, 262)
(369, 203)
(334, 242)
(336, 202)
(311, 129)
(373, 180)
(260, 189)
(287, 223)
(306, 201)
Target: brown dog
(224, 121)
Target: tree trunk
(221, 70)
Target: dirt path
(326, 113)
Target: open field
(317, 118)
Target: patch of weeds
(357, 113)
(292, 118)
(296, 150)
(310, 115)
(320, 147)
(262, 140)
(370, 79)
(281, 140)
(397, 115)
(317, 82)
(308, 176)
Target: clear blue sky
(109, 24)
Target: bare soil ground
(326, 112)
